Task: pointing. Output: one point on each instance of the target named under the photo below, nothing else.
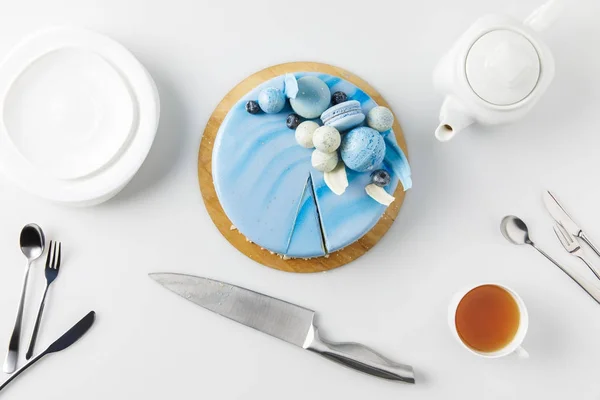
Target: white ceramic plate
(66, 109)
(78, 115)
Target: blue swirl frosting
(262, 178)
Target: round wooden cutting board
(320, 264)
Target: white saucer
(78, 115)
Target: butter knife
(560, 215)
(283, 320)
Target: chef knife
(561, 216)
(283, 320)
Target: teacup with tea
(490, 320)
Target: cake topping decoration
(344, 116)
(304, 133)
(252, 107)
(313, 97)
(271, 100)
(381, 178)
(337, 179)
(338, 97)
(324, 162)
(327, 139)
(363, 149)
(290, 86)
(379, 194)
(380, 118)
(292, 121)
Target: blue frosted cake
(306, 164)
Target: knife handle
(589, 287)
(360, 358)
(587, 240)
(592, 267)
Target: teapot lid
(503, 67)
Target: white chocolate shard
(290, 86)
(337, 180)
(379, 194)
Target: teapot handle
(543, 16)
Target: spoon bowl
(515, 230)
(32, 241)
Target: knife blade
(560, 215)
(286, 321)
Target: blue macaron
(344, 116)
(363, 149)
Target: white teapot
(495, 72)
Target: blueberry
(380, 178)
(338, 97)
(292, 121)
(252, 107)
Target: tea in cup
(490, 320)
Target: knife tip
(547, 194)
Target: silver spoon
(32, 243)
(515, 231)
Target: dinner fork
(51, 271)
(571, 244)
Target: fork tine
(560, 235)
(49, 257)
(565, 234)
(57, 265)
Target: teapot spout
(542, 17)
(453, 119)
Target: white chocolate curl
(337, 180)
(379, 194)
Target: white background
(150, 344)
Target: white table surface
(150, 344)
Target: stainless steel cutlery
(572, 246)
(568, 234)
(283, 320)
(32, 243)
(516, 232)
(51, 272)
(66, 340)
(560, 215)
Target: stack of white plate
(78, 115)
